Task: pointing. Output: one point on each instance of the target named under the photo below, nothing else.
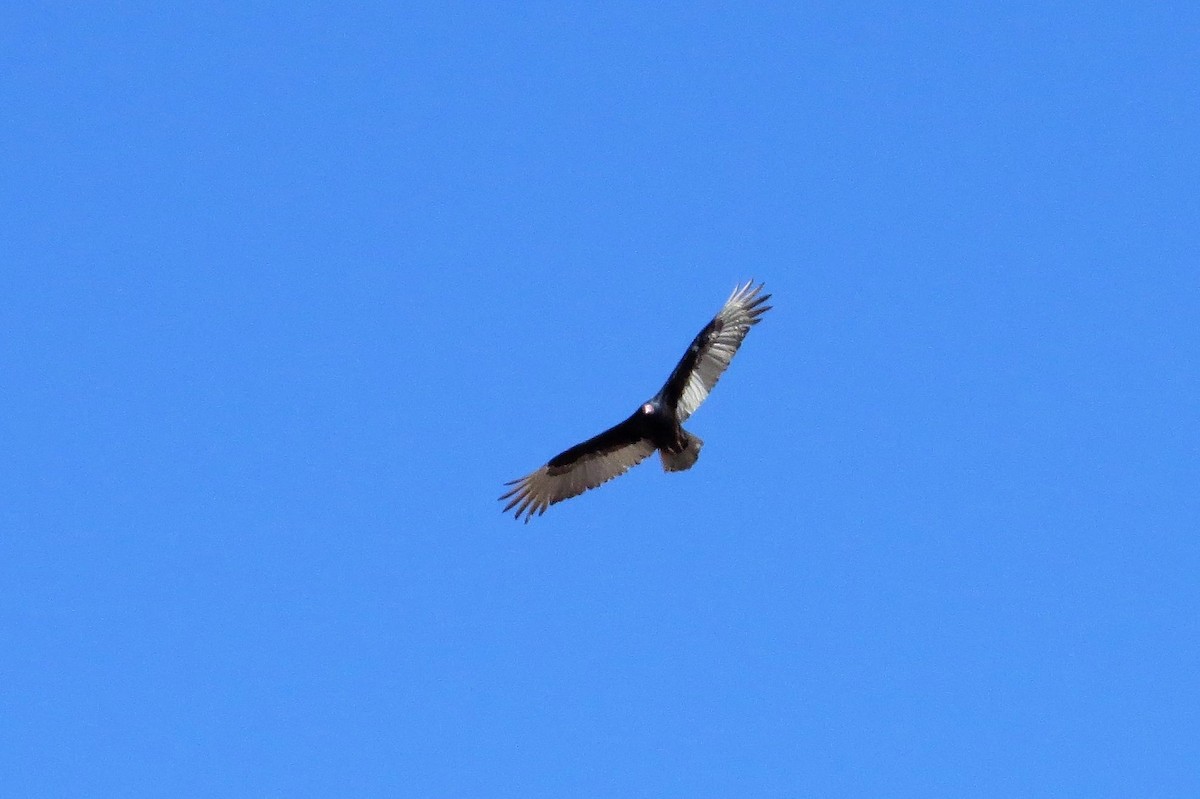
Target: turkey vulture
(656, 425)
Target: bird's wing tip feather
(744, 291)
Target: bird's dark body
(662, 428)
(655, 426)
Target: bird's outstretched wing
(583, 466)
(711, 351)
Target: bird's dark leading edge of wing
(615, 437)
(672, 390)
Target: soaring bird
(656, 425)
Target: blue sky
(290, 291)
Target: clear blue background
(288, 291)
